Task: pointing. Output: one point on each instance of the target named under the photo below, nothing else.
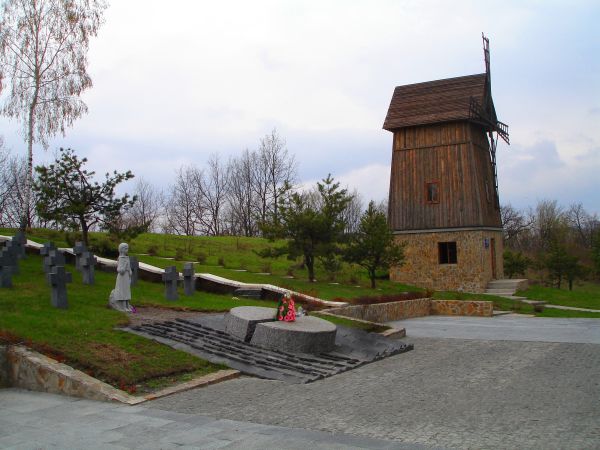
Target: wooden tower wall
(456, 156)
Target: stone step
(255, 294)
(500, 291)
(218, 346)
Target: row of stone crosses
(85, 262)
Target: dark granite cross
(55, 258)
(79, 249)
(58, 279)
(170, 278)
(134, 263)
(20, 243)
(6, 268)
(189, 283)
(87, 263)
(45, 251)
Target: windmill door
(493, 255)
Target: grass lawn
(239, 253)
(583, 295)
(84, 335)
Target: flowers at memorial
(286, 309)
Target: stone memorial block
(87, 266)
(6, 268)
(58, 279)
(134, 263)
(79, 249)
(20, 243)
(189, 282)
(170, 278)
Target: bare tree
(583, 224)
(515, 225)
(242, 195)
(213, 188)
(275, 169)
(13, 175)
(43, 52)
(181, 212)
(550, 223)
(353, 212)
(147, 210)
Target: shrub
(221, 261)
(152, 250)
(179, 254)
(515, 263)
(266, 268)
(104, 247)
(201, 257)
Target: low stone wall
(386, 312)
(31, 370)
(406, 309)
(461, 308)
(4, 381)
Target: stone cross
(134, 263)
(189, 283)
(20, 242)
(170, 278)
(11, 250)
(45, 251)
(79, 249)
(87, 262)
(6, 268)
(55, 258)
(58, 279)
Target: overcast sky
(177, 81)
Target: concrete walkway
(511, 327)
(35, 420)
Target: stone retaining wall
(4, 381)
(406, 309)
(461, 308)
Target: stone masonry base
(387, 312)
(27, 369)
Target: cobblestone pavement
(449, 393)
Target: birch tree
(43, 60)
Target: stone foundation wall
(461, 308)
(387, 312)
(4, 381)
(471, 273)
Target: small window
(447, 252)
(432, 192)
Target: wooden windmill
(444, 200)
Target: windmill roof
(434, 101)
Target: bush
(152, 250)
(105, 247)
(72, 237)
(201, 257)
(266, 268)
(221, 261)
(515, 263)
(179, 254)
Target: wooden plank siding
(454, 154)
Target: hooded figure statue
(121, 294)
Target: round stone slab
(242, 320)
(305, 335)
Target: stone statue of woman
(121, 294)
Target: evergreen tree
(68, 196)
(373, 247)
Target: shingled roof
(435, 101)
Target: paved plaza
(446, 393)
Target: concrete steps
(506, 287)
